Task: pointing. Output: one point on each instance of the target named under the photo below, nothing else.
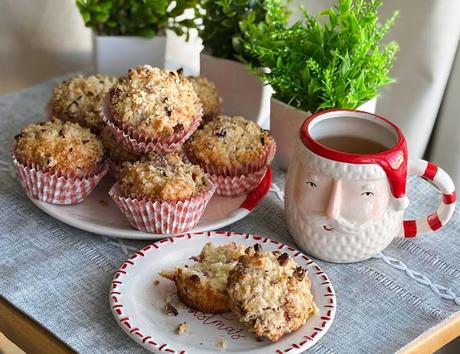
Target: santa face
(340, 219)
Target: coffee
(352, 144)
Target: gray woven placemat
(60, 276)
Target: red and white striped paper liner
(229, 186)
(114, 168)
(52, 188)
(162, 216)
(139, 142)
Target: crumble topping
(165, 177)
(80, 100)
(58, 145)
(158, 102)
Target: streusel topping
(270, 293)
(214, 263)
(164, 177)
(116, 150)
(58, 145)
(158, 102)
(229, 141)
(208, 95)
(80, 99)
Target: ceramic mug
(344, 206)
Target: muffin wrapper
(51, 187)
(114, 168)
(228, 186)
(139, 142)
(210, 115)
(249, 168)
(162, 216)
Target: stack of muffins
(159, 133)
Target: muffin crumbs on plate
(181, 328)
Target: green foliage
(319, 63)
(144, 18)
(222, 22)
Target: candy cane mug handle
(440, 217)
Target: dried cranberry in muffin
(79, 100)
(162, 177)
(155, 101)
(66, 148)
(208, 95)
(269, 293)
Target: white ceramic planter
(114, 55)
(285, 122)
(242, 92)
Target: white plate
(100, 215)
(138, 305)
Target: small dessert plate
(138, 298)
(100, 215)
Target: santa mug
(345, 192)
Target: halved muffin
(203, 284)
(269, 293)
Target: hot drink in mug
(346, 187)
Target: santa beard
(347, 242)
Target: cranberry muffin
(79, 100)
(234, 151)
(202, 285)
(151, 109)
(62, 147)
(162, 193)
(269, 293)
(57, 162)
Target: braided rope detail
(278, 191)
(120, 244)
(442, 291)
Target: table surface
(60, 276)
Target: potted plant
(132, 32)
(334, 60)
(223, 55)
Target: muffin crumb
(222, 344)
(181, 328)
